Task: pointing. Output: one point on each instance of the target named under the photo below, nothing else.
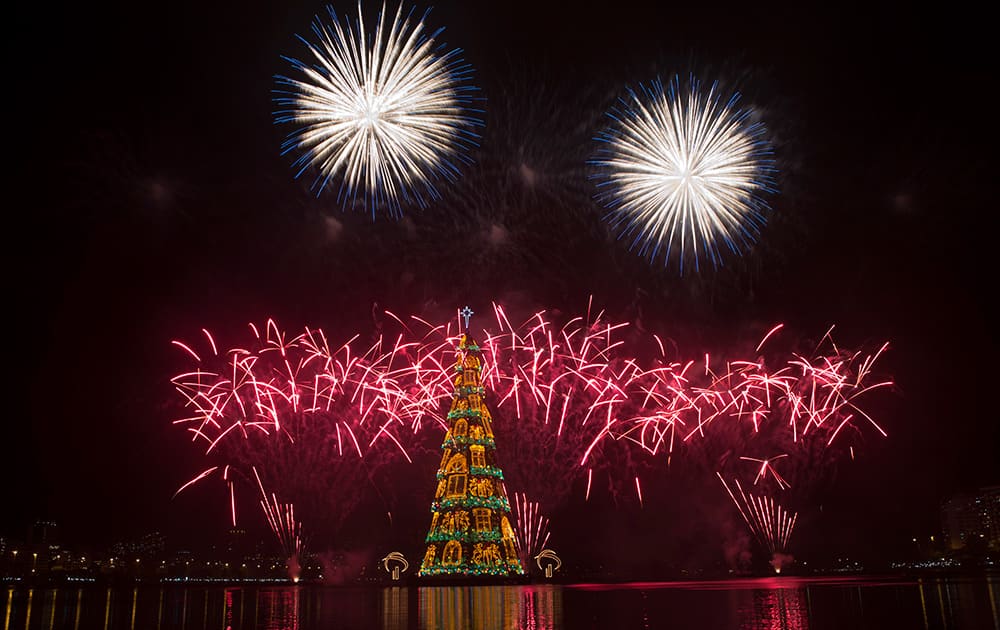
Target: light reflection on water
(765, 604)
(776, 609)
(482, 607)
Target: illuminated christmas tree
(471, 532)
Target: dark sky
(147, 199)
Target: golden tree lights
(471, 531)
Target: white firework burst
(683, 172)
(386, 117)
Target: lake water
(771, 603)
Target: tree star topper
(467, 314)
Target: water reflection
(776, 609)
(958, 603)
(395, 608)
(76, 615)
(932, 603)
(478, 607)
(279, 609)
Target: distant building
(150, 545)
(237, 545)
(44, 533)
(972, 518)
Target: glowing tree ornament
(471, 532)
(385, 113)
(683, 172)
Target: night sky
(146, 199)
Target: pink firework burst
(799, 406)
(314, 421)
(320, 423)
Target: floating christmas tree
(471, 532)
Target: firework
(684, 172)
(281, 520)
(800, 406)
(769, 522)
(313, 423)
(383, 113)
(532, 528)
(557, 385)
(767, 467)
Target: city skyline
(968, 533)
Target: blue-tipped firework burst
(684, 173)
(386, 117)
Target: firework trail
(767, 467)
(684, 171)
(769, 522)
(313, 423)
(779, 423)
(386, 113)
(281, 519)
(799, 407)
(558, 386)
(532, 528)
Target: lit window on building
(478, 456)
(456, 485)
(482, 516)
(452, 553)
